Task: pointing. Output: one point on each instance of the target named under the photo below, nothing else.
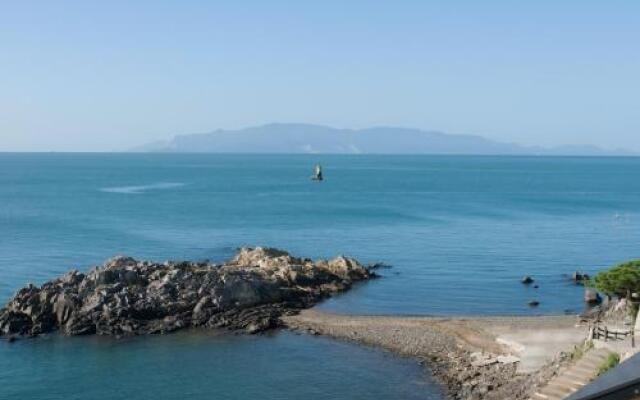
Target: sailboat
(317, 173)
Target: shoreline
(493, 357)
(260, 289)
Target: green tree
(621, 280)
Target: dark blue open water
(459, 231)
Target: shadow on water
(202, 364)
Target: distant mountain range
(312, 139)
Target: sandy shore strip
(475, 358)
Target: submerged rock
(127, 297)
(527, 280)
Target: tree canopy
(621, 280)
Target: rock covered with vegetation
(130, 297)
(622, 280)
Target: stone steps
(574, 377)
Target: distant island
(289, 138)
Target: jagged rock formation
(126, 296)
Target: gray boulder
(591, 296)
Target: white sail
(317, 174)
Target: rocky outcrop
(591, 296)
(579, 278)
(130, 297)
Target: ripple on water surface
(142, 188)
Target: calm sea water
(459, 232)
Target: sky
(110, 75)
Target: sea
(457, 234)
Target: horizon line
(525, 155)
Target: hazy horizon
(274, 138)
(110, 76)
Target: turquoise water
(204, 366)
(459, 231)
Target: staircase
(574, 377)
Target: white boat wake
(142, 188)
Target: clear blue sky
(108, 75)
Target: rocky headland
(129, 297)
(491, 358)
